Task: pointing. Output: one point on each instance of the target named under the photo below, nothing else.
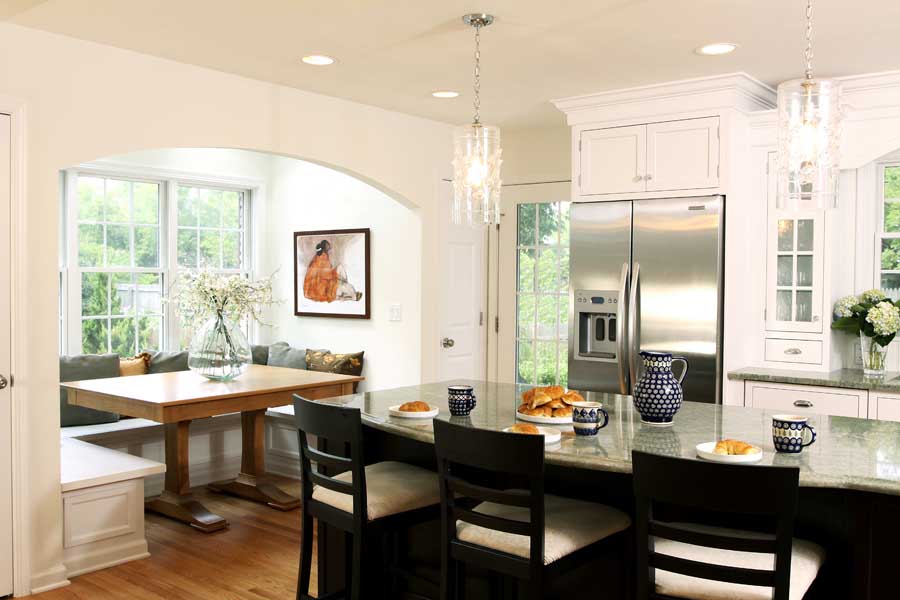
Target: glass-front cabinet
(795, 272)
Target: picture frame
(332, 273)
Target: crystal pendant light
(809, 131)
(476, 154)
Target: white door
(6, 551)
(613, 160)
(683, 155)
(463, 294)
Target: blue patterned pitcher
(658, 395)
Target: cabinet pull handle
(793, 351)
(803, 404)
(638, 178)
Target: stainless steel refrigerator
(646, 275)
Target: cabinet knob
(803, 404)
(793, 351)
(815, 318)
(648, 177)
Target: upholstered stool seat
(806, 560)
(391, 488)
(569, 525)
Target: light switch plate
(396, 312)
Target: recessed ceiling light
(716, 49)
(445, 94)
(318, 60)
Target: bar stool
(519, 532)
(705, 562)
(363, 500)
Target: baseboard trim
(50, 579)
(108, 557)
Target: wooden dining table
(175, 399)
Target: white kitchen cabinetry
(806, 400)
(884, 406)
(655, 157)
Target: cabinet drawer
(808, 352)
(886, 407)
(807, 400)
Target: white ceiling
(393, 53)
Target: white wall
(537, 154)
(306, 197)
(83, 101)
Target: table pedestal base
(187, 510)
(258, 490)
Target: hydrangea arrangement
(875, 319)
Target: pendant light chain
(809, 31)
(477, 86)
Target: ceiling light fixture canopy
(809, 135)
(476, 154)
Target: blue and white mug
(461, 399)
(588, 417)
(792, 433)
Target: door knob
(447, 342)
(3, 382)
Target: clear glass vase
(219, 350)
(873, 356)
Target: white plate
(544, 420)
(705, 451)
(396, 412)
(551, 436)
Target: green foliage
(857, 323)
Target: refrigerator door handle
(634, 325)
(621, 332)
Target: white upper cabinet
(613, 161)
(657, 157)
(683, 155)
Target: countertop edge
(852, 379)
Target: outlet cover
(396, 312)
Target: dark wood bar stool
(368, 502)
(517, 531)
(701, 561)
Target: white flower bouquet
(875, 318)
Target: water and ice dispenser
(596, 324)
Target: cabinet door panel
(887, 407)
(683, 155)
(613, 160)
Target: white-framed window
(542, 293)
(888, 237)
(126, 237)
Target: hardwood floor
(256, 558)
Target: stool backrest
(764, 494)
(339, 433)
(469, 460)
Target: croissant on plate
(734, 447)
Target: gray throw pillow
(168, 362)
(79, 368)
(282, 355)
(260, 354)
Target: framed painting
(331, 274)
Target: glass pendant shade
(476, 174)
(809, 132)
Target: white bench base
(103, 506)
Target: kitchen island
(850, 478)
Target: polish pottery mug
(588, 417)
(461, 399)
(789, 433)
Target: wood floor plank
(256, 558)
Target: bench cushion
(168, 362)
(78, 368)
(569, 525)
(327, 362)
(282, 355)
(259, 354)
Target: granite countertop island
(853, 379)
(850, 453)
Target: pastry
(540, 411)
(554, 391)
(540, 398)
(733, 447)
(571, 397)
(528, 395)
(415, 406)
(525, 428)
(556, 403)
(563, 411)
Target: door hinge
(480, 318)
(496, 324)
(579, 181)
(579, 145)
